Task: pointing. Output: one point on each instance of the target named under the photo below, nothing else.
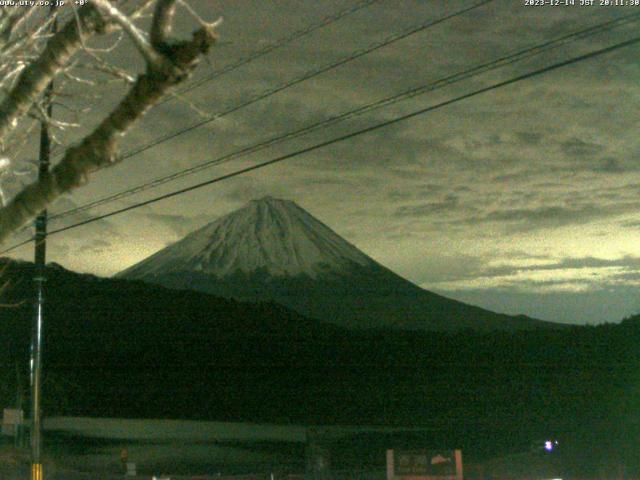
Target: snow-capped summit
(272, 236)
(273, 250)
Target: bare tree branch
(99, 148)
(162, 23)
(36, 76)
(136, 35)
(10, 23)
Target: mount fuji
(272, 250)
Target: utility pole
(39, 280)
(36, 332)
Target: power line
(278, 44)
(448, 80)
(306, 76)
(341, 138)
(324, 22)
(353, 56)
(17, 245)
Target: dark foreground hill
(126, 349)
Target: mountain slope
(274, 250)
(272, 236)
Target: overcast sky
(523, 199)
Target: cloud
(578, 307)
(434, 269)
(550, 216)
(95, 246)
(529, 138)
(546, 275)
(179, 224)
(556, 215)
(609, 165)
(67, 203)
(575, 147)
(421, 191)
(630, 224)
(445, 196)
(449, 203)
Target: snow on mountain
(273, 250)
(270, 235)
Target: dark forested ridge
(126, 349)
